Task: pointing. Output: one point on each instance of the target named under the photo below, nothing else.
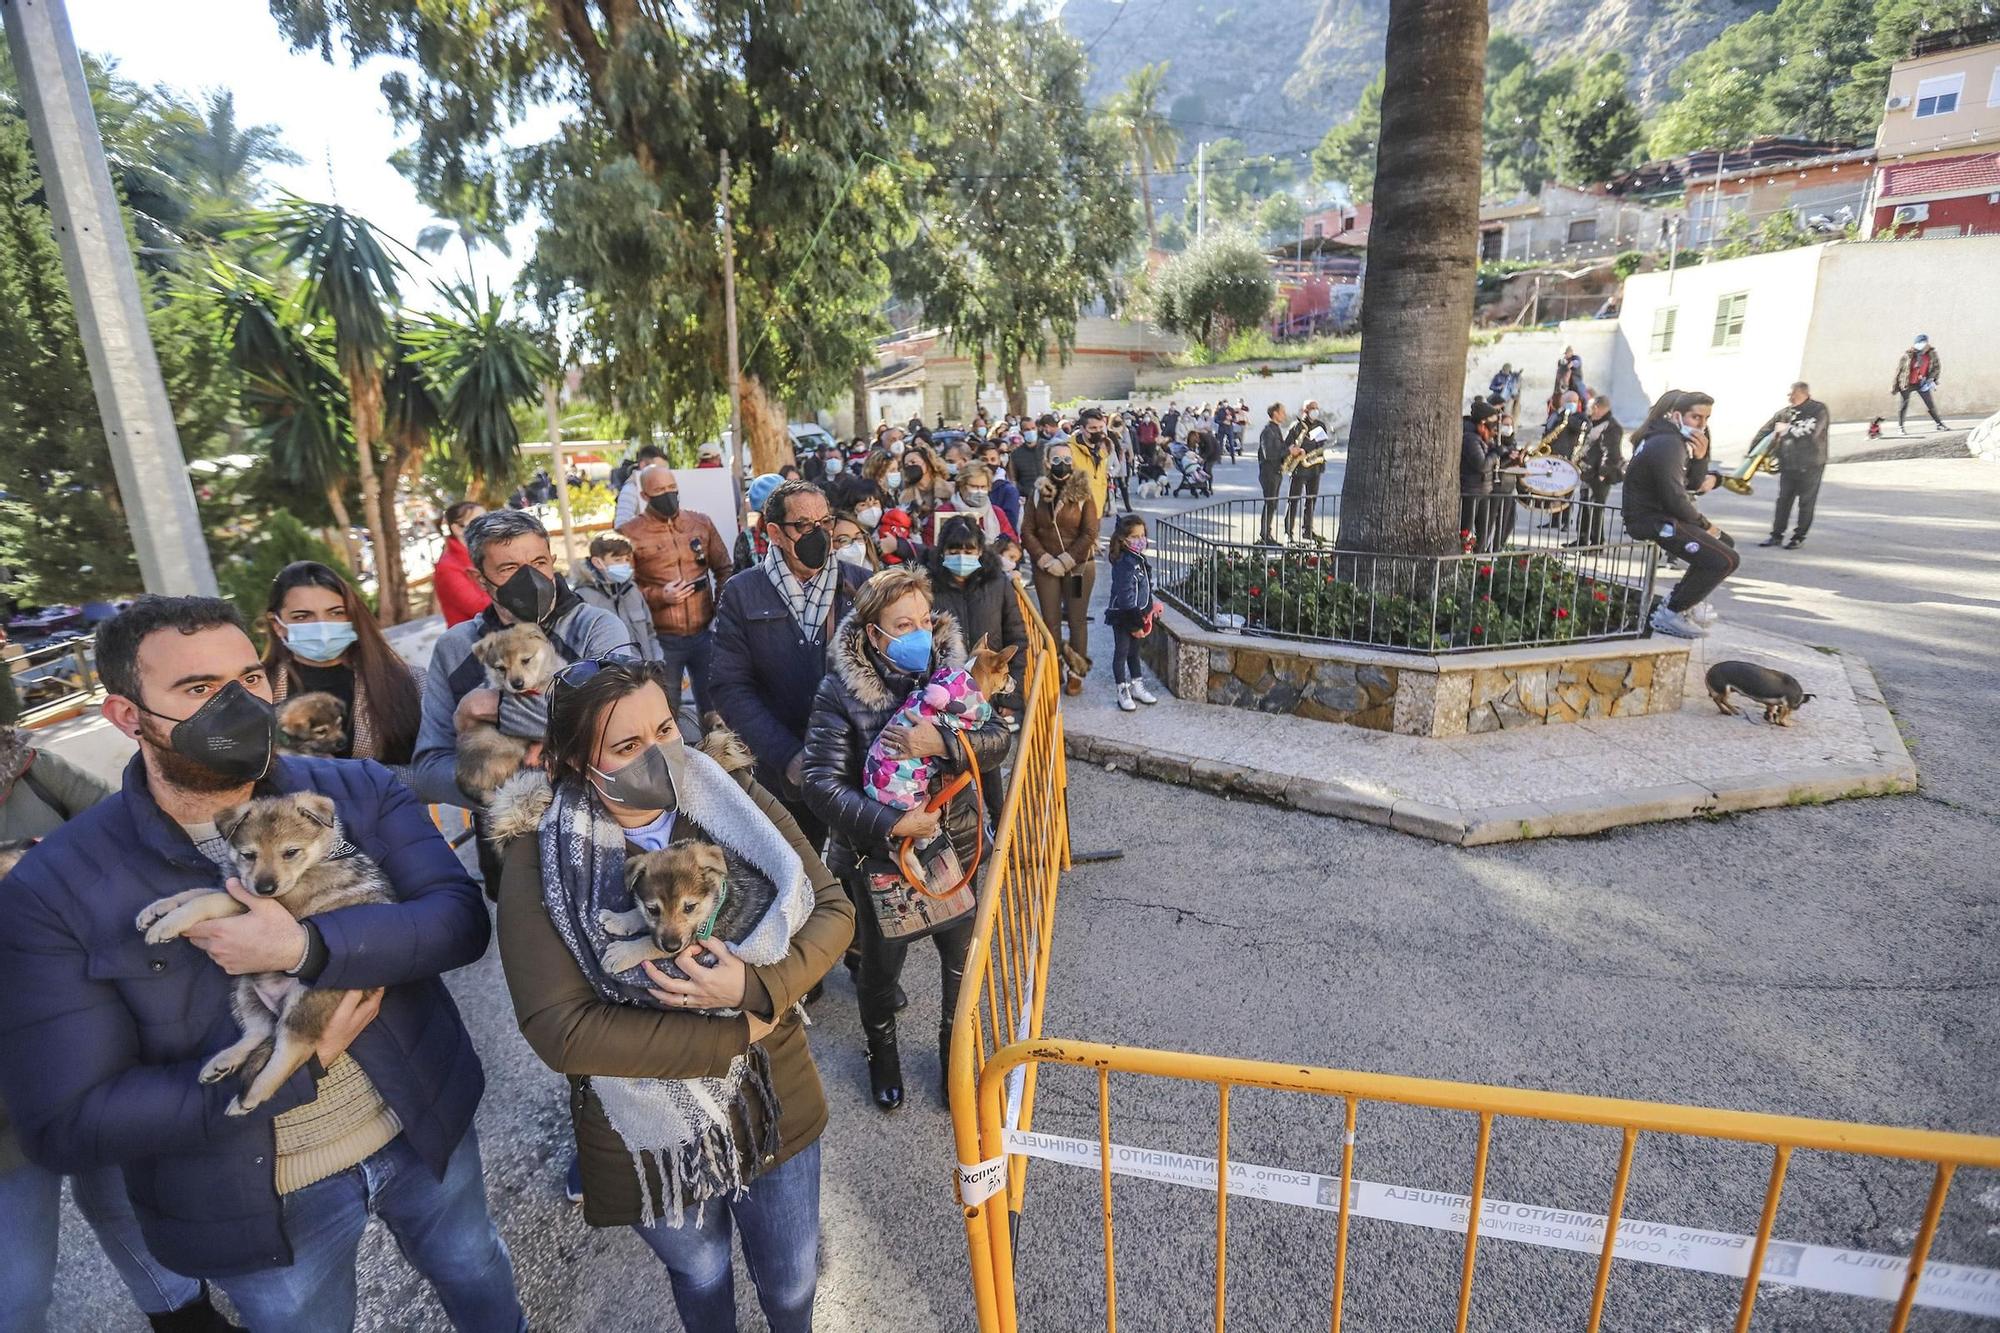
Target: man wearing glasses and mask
(512, 561)
(675, 553)
(771, 637)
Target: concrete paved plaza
(1835, 960)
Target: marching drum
(1549, 483)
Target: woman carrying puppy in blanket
(695, 1101)
(884, 648)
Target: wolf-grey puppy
(678, 892)
(1777, 693)
(288, 848)
(518, 660)
(313, 723)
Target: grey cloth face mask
(650, 782)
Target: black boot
(198, 1316)
(885, 1067)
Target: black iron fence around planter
(1537, 584)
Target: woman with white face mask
(324, 640)
(851, 543)
(972, 495)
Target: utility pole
(559, 467)
(145, 447)
(735, 371)
(1201, 189)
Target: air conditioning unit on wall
(1898, 103)
(1908, 214)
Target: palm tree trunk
(337, 503)
(365, 394)
(1400, 491)
(392, 580)
(861, 422)
(1146, 193)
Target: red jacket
(459, 595)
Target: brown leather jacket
(1063, 524)
(665, 551)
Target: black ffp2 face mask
(528, 595)
(233, 734)
(811, 549)
(666, 504)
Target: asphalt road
(1836, 961)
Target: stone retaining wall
(1415, 694)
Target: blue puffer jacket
(101, 1034)
(1131, 590)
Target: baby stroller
(1194, 474)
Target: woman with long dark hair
(324, 639)
(695, 1101)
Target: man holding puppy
(676, 553)
(512, 560)
(102, 1034)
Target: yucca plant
(483, 364)
(347, 281)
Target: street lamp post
(146, 453)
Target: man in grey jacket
(512, 560)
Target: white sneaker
(1669, 621)
(1125, 704)
(1142, 694)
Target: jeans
(31, 1222)
(1802, 486)
(779, 1219)
(1124, 656)
(690, 652)
(1710, 560)
(1929, 406)
(441, 1226)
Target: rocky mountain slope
(1286, 71)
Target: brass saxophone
(1763, 457)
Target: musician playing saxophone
(1799, 429)
(1306, 446)
(1562, 433)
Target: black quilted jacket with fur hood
(859, 696)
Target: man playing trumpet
(1798, 437)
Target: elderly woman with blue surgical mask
(324, 640)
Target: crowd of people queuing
(759, 699)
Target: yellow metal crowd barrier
(1007, 965)
(1946, 1153)
(997, 1046)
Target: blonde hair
(884, 589)
(974, 474)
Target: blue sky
(332, 115)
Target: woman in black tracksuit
(884, 647)
(1669, 464)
